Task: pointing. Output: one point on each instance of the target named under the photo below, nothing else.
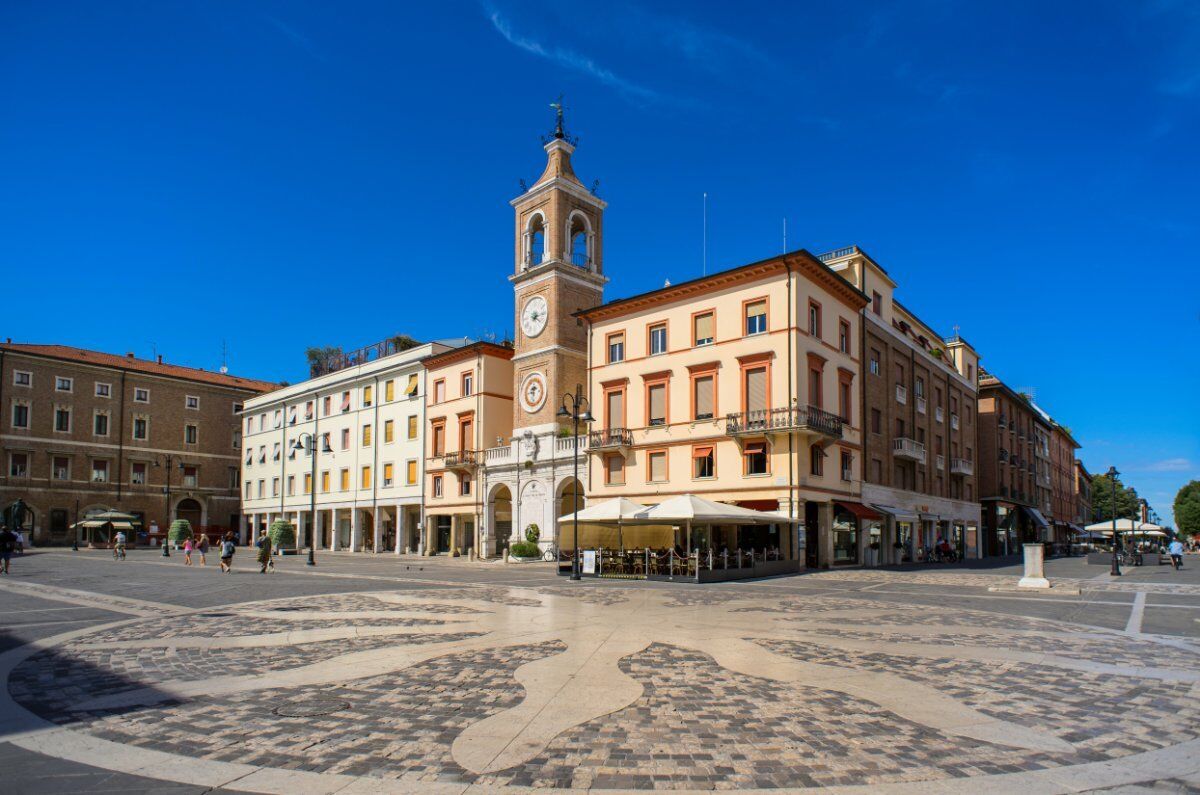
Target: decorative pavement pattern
(612, 689)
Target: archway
(189, 509)
(500, 518)
(569, 497)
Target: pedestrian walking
(264, 553)
(8, 542)
(1176, 550)
(187, 552)
(202, 549)
(227, 550)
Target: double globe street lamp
(311, 449)
(158, 462)
(575, 408)
(1112, 479)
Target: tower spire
(558, 117)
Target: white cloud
(295, 36)
(567, 58)
(1168, 465)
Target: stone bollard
(1035, 576)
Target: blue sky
(271, 175)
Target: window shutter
(702, 452)
(704, 327)
(387, 472)
(658, 403)
(412, 472)
(704, 396)
(411, 389)
(756, 389)
(616, 410)
(616, 469)
(658, 467)
(754, 448)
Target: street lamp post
(312, 490)
(575, 408)
(1116, 564)
(166, 553)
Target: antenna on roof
(785, 234)
(224, 364)
(704, 241)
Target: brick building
(919, 421)
(85, 431)
(1064, 508)
(1010, 428)
(1083, 495)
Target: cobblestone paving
(688, 721)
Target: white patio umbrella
(617, 511)
(689, 509)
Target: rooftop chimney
(160, 358)
(129, 355)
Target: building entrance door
(58, 524)
(443, 533)
(811, 536)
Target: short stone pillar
(1035, 575)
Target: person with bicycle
(119, 545)
(1176, 552)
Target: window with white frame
(191, 433)
(64, 384)
(137, 473)
(100, 471)
(191, 402)
(237, 409)
(141, 427)
(22, 378)
(18, 465)
(20, 414)
(190, 476)
(658, 339)
(100, 423)
(141, 394)
(103, 390)
(62, 419)
(237, 440)
(61, 467)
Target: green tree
(323, 360)
(282, 533)
(1127, 499)
(180, 531)
(403, 342)
(1187, 509)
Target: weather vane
(558, 115)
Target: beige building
(919, 406)
(468, 408)
(739, 387)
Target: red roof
(69, 354)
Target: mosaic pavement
(613, 689)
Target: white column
(333, 530)
(318, 527)
(377, 530)
(400, 529)
(355, 531)
(242, 528)
(253, 529)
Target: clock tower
(559, 269)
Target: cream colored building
(368, 418)
(469, 407)
(740, 387)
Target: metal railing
(610, 438)
(801, 418)
(582, 260)
(459, 459)
(838, 253)
(908, 448)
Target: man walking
(1176, 552)
(8, 542)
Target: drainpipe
(793, 526)
(121, 447)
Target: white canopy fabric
(900, 514)
(618, 510)
(1123, 526)
(697, 510)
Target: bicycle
(119, 552)
(550, 554)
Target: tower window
(580, 255)
(537, 242)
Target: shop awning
(899, 514)
(930, 517)
(861, 511)
(90, 523)
(122, 526)
(1036, 516)
(1076, 529)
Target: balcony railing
(961, 466)
(459, 459)
(801, 418)
(610, 439)
(941, 462)
(937, 413)
(908, 448)
(495, 455)
(954, 422)
(566, 444)
(920, 405)
(581, 259)
(901, 394)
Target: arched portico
(499, 518)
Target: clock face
(533, 316)
(533, 392)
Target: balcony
(910, 449)
(610, 439)
(497, 455)
(901, 394)
(940, 463)
(459, 459)
(767, 421)
(962, 466)
(920, 405)
(938, 414)
(954, 422)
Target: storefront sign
(589, 561)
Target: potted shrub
(179, 531)
(525, 550)
(282, 534)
